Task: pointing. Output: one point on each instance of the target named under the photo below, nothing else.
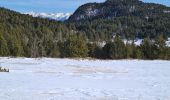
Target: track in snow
(68, 79)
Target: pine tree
(115, 50)
(74, 47)
(118, 48)
(3, 46)
(129, 50)
(92, 48)
(107, 50)
(148, 49)
(160, 43)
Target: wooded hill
(128, 18)
(23, 35)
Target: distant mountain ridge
(55, 16)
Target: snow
(78, 79)
(168, 42)
(91, 12)
(137, 42)
(55, 16)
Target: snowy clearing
(68, 79)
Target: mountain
(118, 8)
(55, 16)
(127, 18)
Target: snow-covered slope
(55, 16)
(68, 79)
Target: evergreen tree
(98, 52)
(107, 50)
(167, 56)
(129, 50)
(118, 48)
(74, 47)
(55, 52)
(149, 49)
(92, 49)
(161, 45)
(3, 46)
(114, 50)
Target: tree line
(76, 46)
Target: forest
(25, 36)
(129, 19)
(149, 49)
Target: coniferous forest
(25, 36)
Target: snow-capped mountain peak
(55, 16)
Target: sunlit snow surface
(68, 79)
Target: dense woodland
(25, 36)
(149, 49)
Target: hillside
(24, 35)
(128, 18)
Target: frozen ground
(67, 79)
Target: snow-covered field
(68, 79)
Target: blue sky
(51, 6)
